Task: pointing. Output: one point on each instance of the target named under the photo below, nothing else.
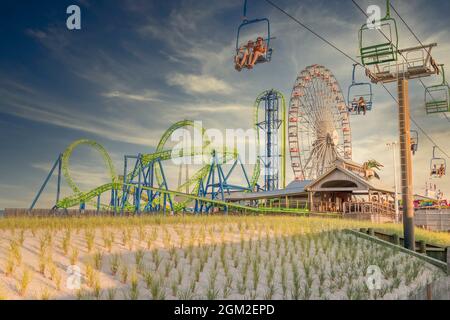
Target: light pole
(393, 146)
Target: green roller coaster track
(160, 154)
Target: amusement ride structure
(317, 125)
(274, 121)
(144, 187)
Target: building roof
(302, 187)
(340, 173)
(294, 188)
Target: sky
(138, 66)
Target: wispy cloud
(40, 109)
(199, 84)
(146, 96)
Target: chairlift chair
(267, 57)
(380, 52)
(437, 164)
(352, 97)
(414, 141)
(437, 96)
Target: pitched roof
(370, 185)
(294, 188)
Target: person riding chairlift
(354, 106)
(441, 171)
(244, 55)
(434, 171)
(413, 146)
(362, 105)
(259, 50)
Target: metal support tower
(402, 71)
(143, 175)
(406, 162)
(217, 184)
(271, 126)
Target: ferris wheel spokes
(319, 128)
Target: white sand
(337, 264)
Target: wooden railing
(368, 208)
(325, 206)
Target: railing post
(448, 260)
(422, 247)
(396, 239)
(429, 291)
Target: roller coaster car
(386, 50)
(414, 141)
(267, 54)
(356, 91)
(293, 120)
(437, 97)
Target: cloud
(202, 84)
(39, 108)
(146, 96)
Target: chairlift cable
(357, 62)
(418, 40)
(412, 119)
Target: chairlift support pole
(406, 163)
(402, 72)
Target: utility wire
(311, 30)
(326, 41)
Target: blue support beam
(271, 126)
(57, 164)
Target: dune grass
(310, 223)
(205, 257)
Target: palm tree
(371, 166)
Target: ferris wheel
(319, 125)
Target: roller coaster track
(80, 197)
(160, 154)
(90, 195)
